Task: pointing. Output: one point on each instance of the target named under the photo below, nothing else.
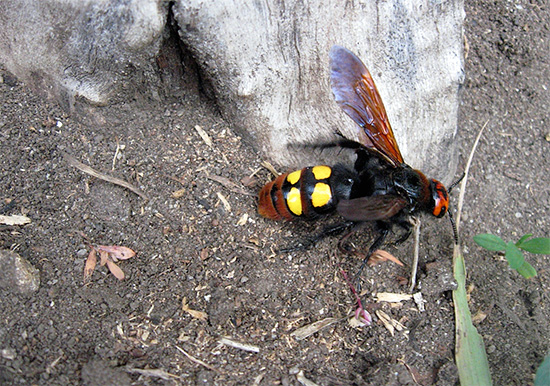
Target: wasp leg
(341, 243)
(408, 228)
(331, 230)
(342, 142)
(385, 229)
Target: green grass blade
(470, 356)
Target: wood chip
(390, 324)
(204, 135)
(310, 329)
(258, 379)
(194, 313)
(204, 254)
(392, 297)
(14, 220)
(479, 317)
(239, 345)
(224, 201)
(419, 300)
(178, 193)
(243, 219)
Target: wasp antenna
(456, 182)
(455, 233)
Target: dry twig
(239, 345)
(416, 253)
(270, 167)
(113, 180)
(197, 361)
(158, 373)
(232, 186)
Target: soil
(219, 257)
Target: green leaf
(470, 356)
(527, 271)
(514, 256)
(538, 245)
(523, 238)
(490, 242)
(543, 373)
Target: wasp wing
(371, 208)
(355, 92)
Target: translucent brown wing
(371, 208)
(355, 92)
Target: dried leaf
(194, 313)
(380, 256)
(115, 270)
(204, 254)
(14, 220)
(120, 253)
(89, 267)
(104, 257)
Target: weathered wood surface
(267, 63)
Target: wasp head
(440, 198)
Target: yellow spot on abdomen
(294, 177)
(321, 172)
(321, 194)
(294, 201)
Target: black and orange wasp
(380, 188)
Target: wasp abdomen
(306, 193)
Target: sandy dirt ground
(205, 248)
